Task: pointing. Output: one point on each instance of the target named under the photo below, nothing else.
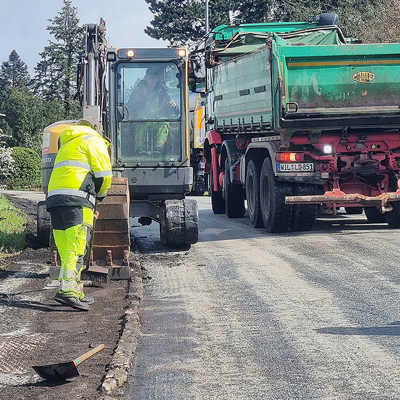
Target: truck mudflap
(338, 198)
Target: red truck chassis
(352, 170)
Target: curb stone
(119, 367)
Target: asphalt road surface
(249, 315)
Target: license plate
(295, 167)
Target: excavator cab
(147, 122)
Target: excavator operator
(150, 100)
(81, 175)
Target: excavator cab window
(149, 106)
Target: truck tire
(233, 196)
(276, 215)
(353, 210)
(304, 215)
(217, 201)
(253, 194)
(393, 217)
(374, 216)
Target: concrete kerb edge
(119, 367)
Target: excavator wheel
(179, 223)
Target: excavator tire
(179, 223)
(191, 221)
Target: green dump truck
(298, 116)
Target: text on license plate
(295, 167)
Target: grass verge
(12, 228)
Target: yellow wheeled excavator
(138, 99)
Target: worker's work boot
(88, 300)
(72, 301)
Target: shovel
(67, 370)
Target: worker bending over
(81, 174)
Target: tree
(56, 72)
(379, 23)
(27, 115)
(182, 21)
(13, 73)
(176, 21)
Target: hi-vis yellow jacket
(82, 169)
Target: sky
(23, 24)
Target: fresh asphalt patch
(36, 330)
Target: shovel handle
(88, 354)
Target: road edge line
(125, 351)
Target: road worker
(81, 175)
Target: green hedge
(27, 165)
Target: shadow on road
(215, 228)
(220, 227)
(9, 300)
(22, 275)
(44, 384)
(151, 245)
(391, 329)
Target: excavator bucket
(111, 241)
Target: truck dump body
(296, 110)
(341, 80)
(269, 78)
(233, 84)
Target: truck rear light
(290, 157)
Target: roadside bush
(27, 164)
(6, 165)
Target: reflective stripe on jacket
(82, 169)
